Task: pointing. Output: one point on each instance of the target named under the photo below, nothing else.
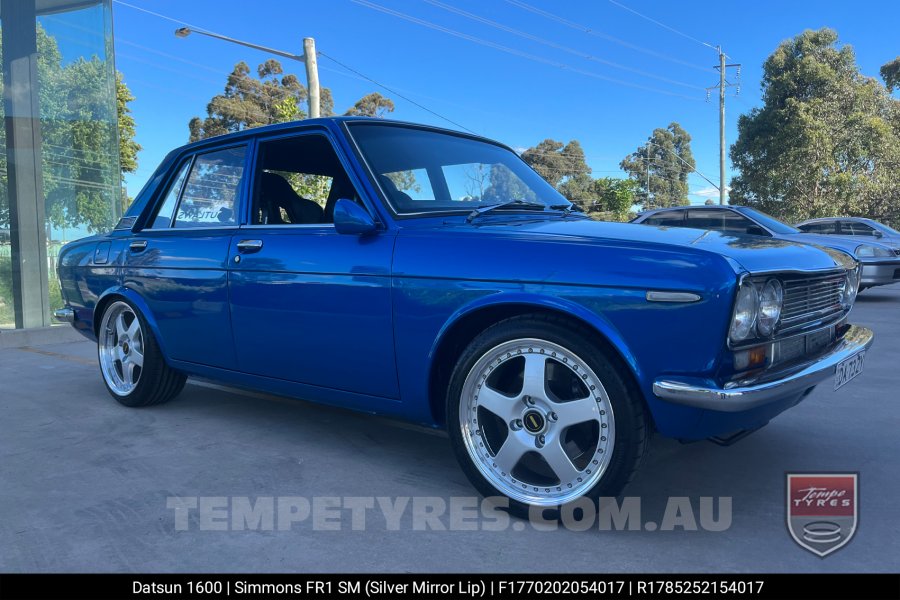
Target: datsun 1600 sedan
(432, 276)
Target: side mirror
(877, 233)
(352, 219)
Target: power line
(604, 36)
(392, 91)
(513, 51)
(551, 44)
(319, 53)
(663, 25)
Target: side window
(163, 218)
(856, 228)
(722, 220)
(210, 194)
(298, 180)
(824, 228)
(671, 218)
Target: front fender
(597, 321)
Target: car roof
(830, 219)
(322, 122)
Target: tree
(661, 166)
(890, 72)
(562, 166)
(826, 140)
(270, 97)
(612, 198)
(371, 105)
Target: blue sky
(557, 83)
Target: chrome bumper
(764, 388)
(64, 314)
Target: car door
(308, 304)
(178, 263)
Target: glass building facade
(59, 153)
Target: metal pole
(721, 126)
(312, 76)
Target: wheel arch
(468, 322)
(125, 293)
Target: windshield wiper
(519, 203)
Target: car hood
(753, 253)
(833, 241)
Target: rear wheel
(542, 415)
(133, 368)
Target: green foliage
(372, 105)
(613, 198)
(666, 161)
(890, 72)
(562, 166)
(269, 97)
(826, 141)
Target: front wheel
(543, 415)
(133, 368)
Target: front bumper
(880, 271)
(767, 387)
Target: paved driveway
(84, 483)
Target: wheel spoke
(534, 377)
(510, 453)
(576, 411)
(136, 357)
(119, 353)
(499, 404)
(121, 329)
(128, 370)
(135, 329)
(559, 461)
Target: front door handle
(138, 245)
(249, 246)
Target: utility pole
(723, 83)
(308, 58)
(312, 76)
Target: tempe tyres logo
(822, 510)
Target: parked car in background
(881, 265)
(857, 227)
(433, 276)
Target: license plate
(848, 368)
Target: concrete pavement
(84, 482)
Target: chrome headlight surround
(851, 287)
(745, 313)
(771, 301)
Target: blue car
(432, 276)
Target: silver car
(881, 263)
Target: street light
(308, 58)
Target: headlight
(746, 307)
(771, 298)
(867, 251)
(851, 288)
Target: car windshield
(769, 222)
(884, 228)
(426, 171)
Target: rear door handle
(138, 245)
(249, 246)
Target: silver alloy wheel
(537, 422)
(121, 348)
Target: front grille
(811, 300)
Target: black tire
(157, 382)
(632, 426)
